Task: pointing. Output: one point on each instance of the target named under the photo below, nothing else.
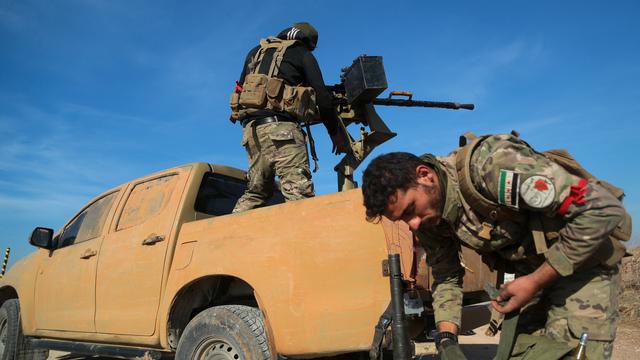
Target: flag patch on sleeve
(508, 187)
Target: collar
(445, 170)
(452, 205)
(451, 209)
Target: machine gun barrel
(409, 102)
(422, 103)
(354, 99)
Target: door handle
(153, 239)
(88, 253)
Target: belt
(266, 120)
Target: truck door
(132, 256)
(65, 285)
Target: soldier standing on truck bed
(539, 215)
(280, 87)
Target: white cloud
(49, 163)
(529, 126)
(504, 55)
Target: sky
(96, 93)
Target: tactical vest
(543, 229)
(267, 91)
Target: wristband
(445, 335)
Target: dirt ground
(475, 347)
(480, 347)
(627, 345)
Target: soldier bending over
(524, 213)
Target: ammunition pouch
(254, 94)
(299, 101)
(261, 92)
(234, 103)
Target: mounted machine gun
(354, 99)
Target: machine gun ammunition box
(364, 79)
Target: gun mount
(354, 99)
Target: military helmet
(311, 38)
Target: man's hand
(340, 143)
(519, 292)
(516, 294)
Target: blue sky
(95, 93)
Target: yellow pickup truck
(159, 265)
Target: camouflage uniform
(280, 149)
(585, 297)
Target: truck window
(89, 223)
(219, 193)
(146, 200)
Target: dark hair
(385, 175)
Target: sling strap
(375, 352)
(312, 147)
(280, 47)
(488, 209)
(508, 335)
(494, 323)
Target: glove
(450, 350)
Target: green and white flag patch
(508, 187)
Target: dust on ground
(630, 299)
(627, 344)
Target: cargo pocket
(282, 133)
(245, 141)
(598, 329)
(531, 347)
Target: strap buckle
(485, 233)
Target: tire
(229, 332)
(13, 345)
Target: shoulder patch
(538, 192)
(508, 187)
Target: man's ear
(424, 175)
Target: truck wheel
(12, 343)
(229, 332)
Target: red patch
(576, 195)
(238, 89)
(541, 185)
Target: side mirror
(41, 237)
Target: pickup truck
(160, 265)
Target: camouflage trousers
(275, 149)
(586, 301)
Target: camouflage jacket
(506, 170)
